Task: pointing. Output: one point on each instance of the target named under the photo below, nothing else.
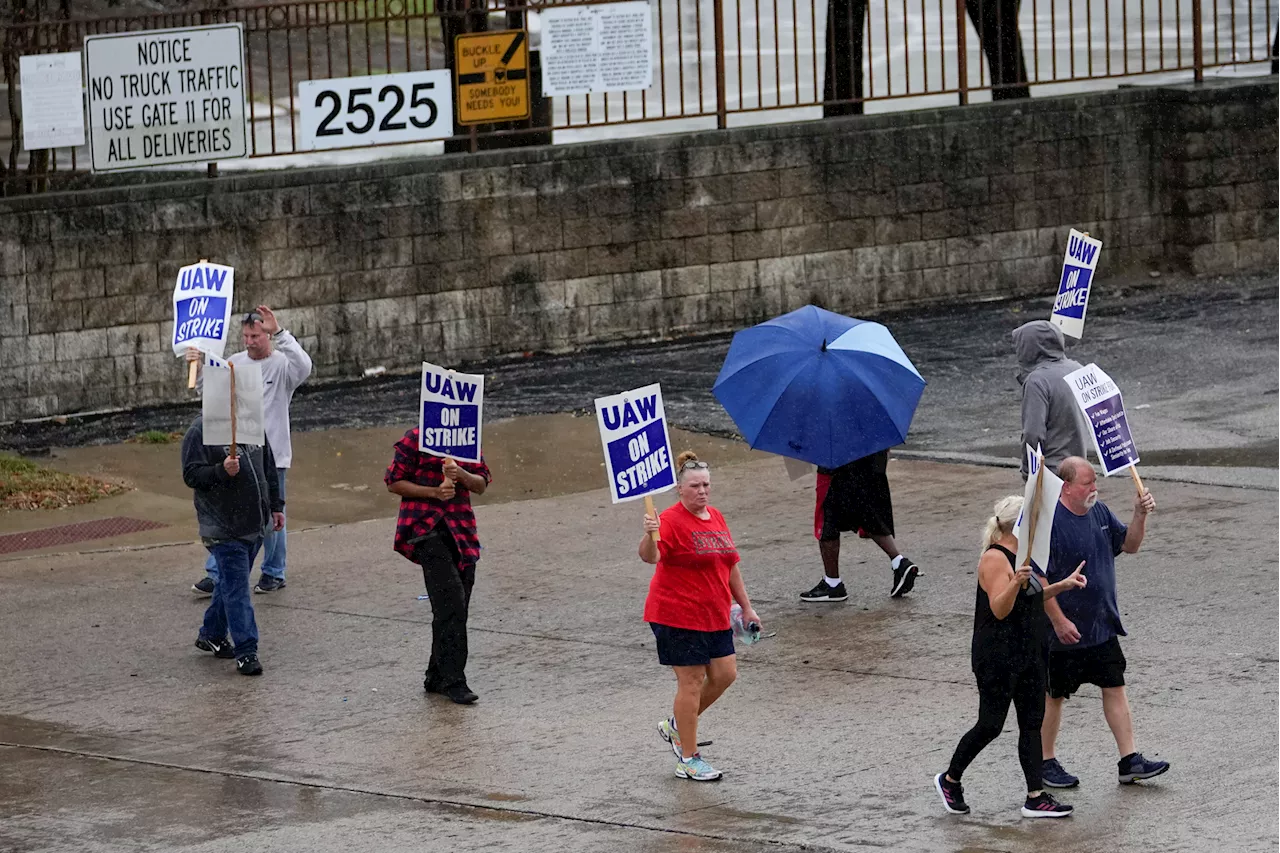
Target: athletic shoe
(1134, 767)
(904, 578)
(667, 729)
(203, 588)
(823, 592)
(1055, 776)
(220, 648)
(696, 769)
(952, 794)
(267, 583)
(1045, 806)
(249, 665)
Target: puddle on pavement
(337, 474)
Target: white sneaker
(667, 729)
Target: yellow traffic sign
(492, 74)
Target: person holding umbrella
(688, 607)
(837, 392)
(1008, 661)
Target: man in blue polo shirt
(1084, 647)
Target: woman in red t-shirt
(688, 607)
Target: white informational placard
(1050, 489)
(166, 96)
(603, 48)
(216, 405)
(202, 307)
(450, 413)
(637, 449)
(345, 112)
(52, 101)
(1077, 278)
(1099, 398)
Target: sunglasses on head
(252, 317)
(694, 465)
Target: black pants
(998, 685)
(450, 592)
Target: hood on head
(1036, 343)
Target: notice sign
(493, 76)
(52, 101)
(1099, 399)
(1077, 277)
(451, 413)
(605, 48)
(166, 96)
(637, 449)
(202, 307)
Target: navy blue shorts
(683, 647)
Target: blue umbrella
(819, 386)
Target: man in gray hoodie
(1050, 417)
(237, 499)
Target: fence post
(962, 53)
(722, 111)
(1197, 46)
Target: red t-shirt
(690, 587)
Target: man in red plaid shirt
(436, 529)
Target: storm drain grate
(68, 534)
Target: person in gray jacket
(285, 366)
(1050, 417)
(237, 499)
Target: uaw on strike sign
(1078, 267)
(637, 449)
(450, 413)
(166, 96)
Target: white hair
(1005, 515)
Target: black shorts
(1102, 665)
(857, 498)
(685, 647)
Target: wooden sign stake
(650, 510)
(233, 410)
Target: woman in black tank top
(1008, 662)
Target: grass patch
(155, 436)
(26, 485)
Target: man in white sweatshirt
(285, 366)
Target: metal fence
(717, 63)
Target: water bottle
(745, 633)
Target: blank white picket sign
(346, 112)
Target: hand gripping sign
(1034, 527)
(637, 449)
(1099, 398)
(450, 413)
(202, 310)
(1073, 289)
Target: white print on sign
(166, 96)
(216, 406)
(1099, 398)
(637, 449)
(604, 48)
(450, 413)
(202, 307)
(351, 111)
(1077, 280)
(52, 101)
(1050, 489)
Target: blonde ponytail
(1005, 516)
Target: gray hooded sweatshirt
(1050, 416)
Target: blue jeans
(273, 546)
(232, 606)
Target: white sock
(895, 562)
(831, 582)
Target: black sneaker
(952, 794)
(203, 588)
(1134, 767)
(249, 665)
(460, 694)
(1045, 806)
(1054, 775)
(220, 648)
(904, 578)
(266, 583)
(824, 592)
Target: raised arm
(1142, 505)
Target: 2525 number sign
(346, 112)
